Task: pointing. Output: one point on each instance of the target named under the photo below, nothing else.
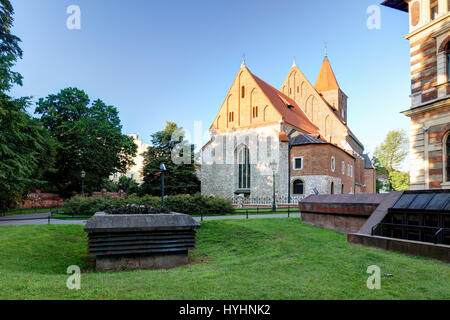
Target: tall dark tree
(180, 178)
(25, 146)
(89, 138)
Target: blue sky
(175, 60)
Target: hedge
(189, 204)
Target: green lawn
(235, 259)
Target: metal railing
(405, 227)
(266, 201)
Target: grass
(235, 259)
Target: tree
(10, 50)
(126, 184)
(25, 146)
(399, 180)
(393, 151)
(88, 138)
(179, 178)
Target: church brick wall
(317, 162)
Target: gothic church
(294, 141)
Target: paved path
(42, 218)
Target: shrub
(137, 209)
(189, 204)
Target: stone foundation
(136, 262)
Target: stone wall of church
(220, 168)
(321, 182)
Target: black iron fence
(280, 201)
(436, 235)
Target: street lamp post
(83, 175)
(163, 169)
(273, 166)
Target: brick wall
(317, 161)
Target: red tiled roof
(293, 115)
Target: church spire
(326, 80)
(243, 61)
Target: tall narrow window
(231, 117)
(333, 164)
(332, 187)
(448, 59)
(434, 9)
(244, 168)
(255, 112)
(269, 147)
(448, 157)
(243, 92)
(342, 189)
(299, 187)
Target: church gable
(321, 114)
(245, 105)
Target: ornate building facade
(429, 36)
(294, 140)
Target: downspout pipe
(289, 164)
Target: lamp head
(83, 174)
(162, 167)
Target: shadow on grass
(44, 249)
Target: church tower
(328, 87)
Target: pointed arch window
(332, 187)
(244, 168)
(243, 92)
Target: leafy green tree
(399, 180)
(179, 178)
(10, 50)
(393, 150)
(25, 146)
(88, 138)
(128, 185)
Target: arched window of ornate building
(244, 168)
(447, 157)
(332, 187)
(299, 187)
